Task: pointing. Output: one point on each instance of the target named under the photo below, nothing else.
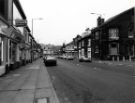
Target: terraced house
(84, 46)
(115, 38)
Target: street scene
(74, 51)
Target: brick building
(115, 38)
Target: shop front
(3, 46)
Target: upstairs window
(130, 30)
(97, 35)
(114, 33)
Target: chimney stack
(100, 21)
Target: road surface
(76, 82)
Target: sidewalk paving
(28, 84)
(127, 63)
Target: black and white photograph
(67, 51)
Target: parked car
(50, 61)
(70, 58)
(84, 59)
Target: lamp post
(32, 54)
(100, 15)
(33, 22)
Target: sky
(62, 20)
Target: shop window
(13, 51)
(7, 50)
(1, 51)
(114, 33)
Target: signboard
(20, 23)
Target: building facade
(84, 46)
(115, 38)
(16, 42)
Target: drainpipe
(133, 50)
(118, 53)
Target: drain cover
(42, 100)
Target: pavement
(28, 84)
(127, 63)
(109, 62)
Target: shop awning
(14, 33)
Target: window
(113, 45)
(96, 49)
(130, 30)
(97, 35)
(89, 42)
(113, 33)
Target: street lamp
(33, 22)
(100, 15)
(100, 20)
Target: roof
(17, 2)
(114, 17)
(28, 28)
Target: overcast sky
(64, 19)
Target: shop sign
(20, 23)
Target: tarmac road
(76, 82)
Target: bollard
(123, 59)
(113, 58)
(130, 58)
(118, 58)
